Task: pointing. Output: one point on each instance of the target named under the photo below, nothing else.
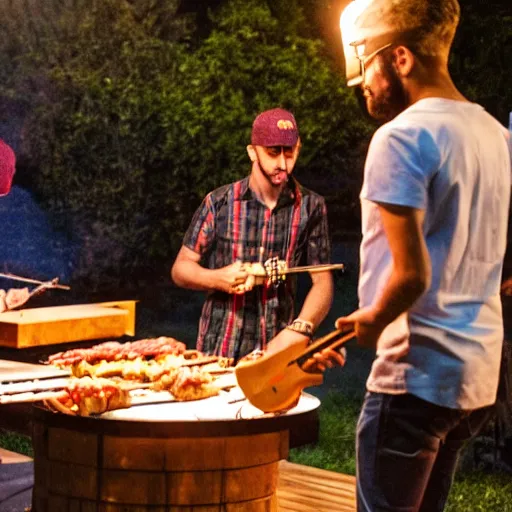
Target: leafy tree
(248, 64)
(93, 92)
(127, 128)
(481, 56)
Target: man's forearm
(192, 275)
(410, 273)
(319, 299)
(399, 295)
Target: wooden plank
(8, 457)
(306, 489)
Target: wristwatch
(302, 326)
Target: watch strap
(301, 326)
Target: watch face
(302, 327)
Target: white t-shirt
(451, 159)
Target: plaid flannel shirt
(233, 225)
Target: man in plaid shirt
(266, 215)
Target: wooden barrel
(95, 465)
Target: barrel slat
(72, 480)
(112, 507)
(191, 454)
(246, 451)
(132, 487)
(250, 483)
(40, 440)
(41, 472)
(74, 506)
(88, 506)
(70, 446)
(133, 453)
(197, 508)
(57, 503)
(40, 499)
(268, 504)
(262, 505)
(194, 487)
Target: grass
(335, 449)
(479, 491)
(16, 443)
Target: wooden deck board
(8, 457)
(306, 489)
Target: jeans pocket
(404, 460)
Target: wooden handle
(330, 340)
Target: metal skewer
(52, 283)
(313, 268)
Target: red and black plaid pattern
(233, 225)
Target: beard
(275, 177)
(387, 104)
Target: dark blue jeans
(407, 452)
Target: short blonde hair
(434, 23)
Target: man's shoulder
(408, 132)
(224, 191)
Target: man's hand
(232, 278)
(327, 358)
(284, 339)
(256, 275)
(366, 326)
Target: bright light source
(353, 44)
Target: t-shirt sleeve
(318, 241)
(201, 231)
(399, 166)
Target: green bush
(126, 128)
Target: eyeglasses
(364, 61)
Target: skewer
(32, 386)
(48, 395)
(200, 361)
(313, 268)
(20, 398)
(35, 281)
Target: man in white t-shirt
(435, 204)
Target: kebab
(140, 369)
(274, 271)
(16, 298)
(115, 351)
(187, 383)
(88, 396)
